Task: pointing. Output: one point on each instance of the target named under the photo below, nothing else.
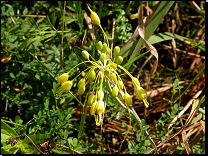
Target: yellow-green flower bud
(81, 83)
(100, 107)
(81, 90)
(120, 85)
(128, 99)
(113, 75)
(135, 82)
(116, 50)
(94, 17)
(115, 91)
(141, 95)
(85, 54)
(100, 95)
(92, 109)
(66, 86)
(114, 66)
(91, 99)
(119, 60)
(102, 57)
(106, 71)
(105, 47)
(63, 78)
(100, 45)
(108, 51)
(91, 74)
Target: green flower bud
(92, 109)
(105, 47)
(85, 54)
(100, 107)
(114, 66)
(81, 90)
(119, 60)
(102, 57)
(100, 95)
(128, 99)
(120, 85)
(66, 86)
(141, 95)
(81, 82)
(94, 17)
(116, 50)
(114, 77)
(91, 99)
(115, 91)
(107, 72)
(135, 82)
(100, 45)
(108, 51)
(91, 74)
(63, 78)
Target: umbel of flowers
(102, 70)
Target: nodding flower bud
(100, 45)
(92, 110)
(108, 51)
(128, 99)
(81, 90)
(91, 99)
(66, 86)
(63, 78)
(105, 47)
(102, 57)
(106, 71)
(81, 83)
(119, 60)
(116, 50)
(94, 17)
(114, 66)
(120, 84)
(85, 54)
(135, 82)
(91, 74)
(115, 91)
(141, 95)
(100, 95)
(113, 75)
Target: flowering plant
(100, 71)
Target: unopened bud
(81, 83)
(102, 57)
(105, 47)
(113, 75)
(85, 54)
(100, 45)
(66, 86)
(128, 99)
(91, 99)
(81, 90)
(119, 60)
(116, 50)
(115, 91)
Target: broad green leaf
(6, 132)
(8, 149)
